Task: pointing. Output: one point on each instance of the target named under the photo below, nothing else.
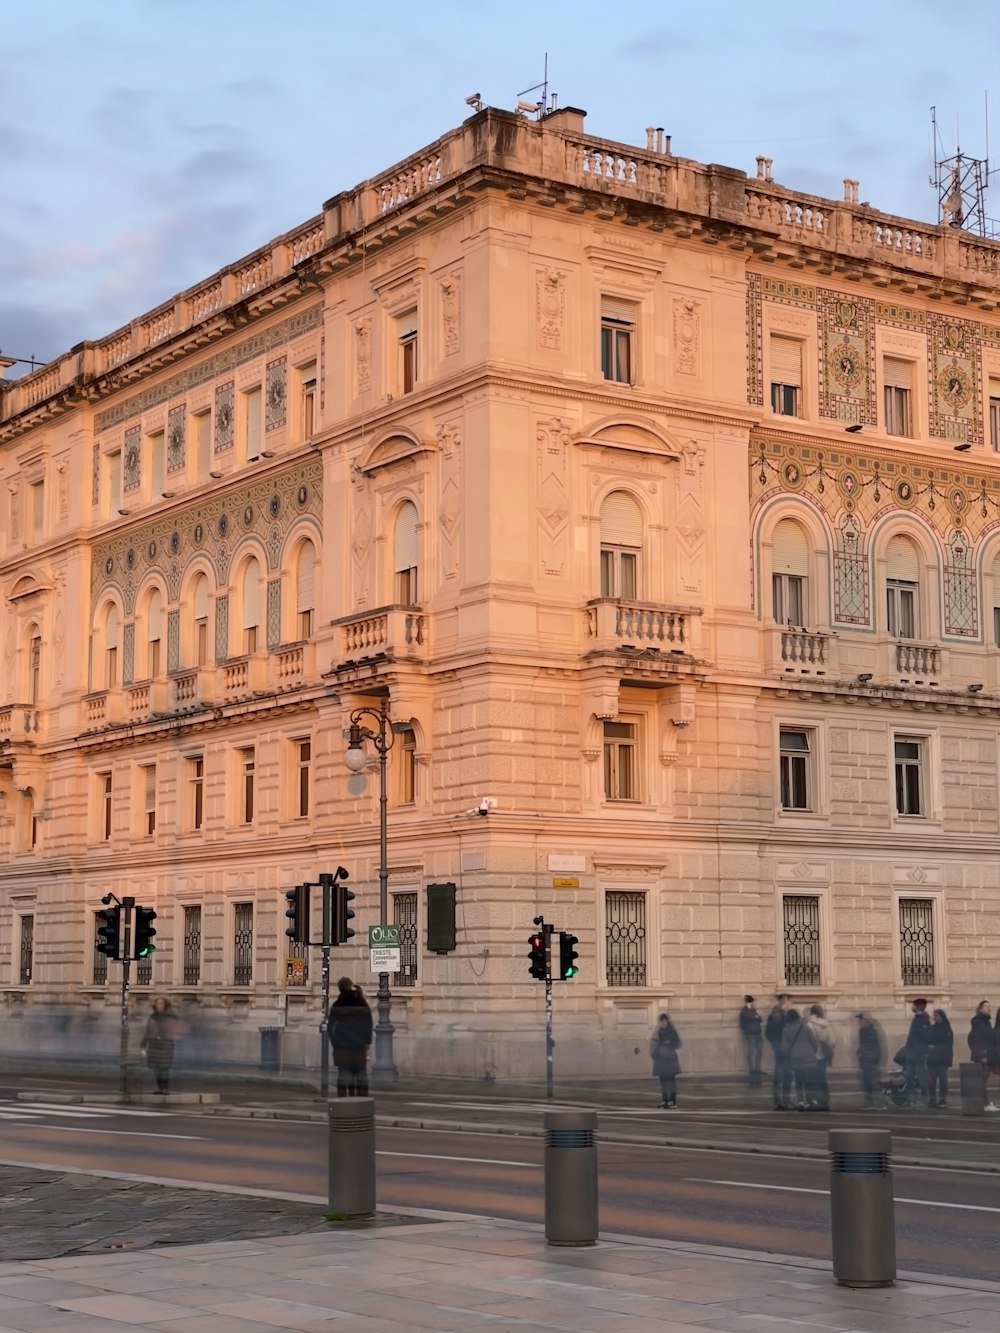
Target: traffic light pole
(549, 1039)
(126, 937)
(326, 884)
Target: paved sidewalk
(465, 1276)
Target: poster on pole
(383, 949)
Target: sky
(146, 143)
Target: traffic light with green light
(143, 932)
(567, 956)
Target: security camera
(529, 108)
(475, 101)
(483, 808)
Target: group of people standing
(803, 1046)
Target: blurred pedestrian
(349, 1028)
(163, 1027)
(774, 1032)
(751, 1029)
(940, 1057)
(799, 1050)
(982, 1043)
(916, 1054)
(825, 1044)
(870, 1056)
(663, 1047)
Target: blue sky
(145, 143)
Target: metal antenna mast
(960, 182)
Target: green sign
(383, 937)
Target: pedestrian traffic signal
(567, 955)
(109, 932)
(342, 913)
(298, 914)
(539, 955)
(142, 937)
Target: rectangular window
(99, 971)
(35, 671)
(406, 740)
(994, 410)
(916, 941)
(104, 790)
(112, 483)
(252, 423)
(909, 757)
(149, 799)
(156, 464)
(794, 759)
(898, 377)
(800, 919)
(196, 790)
(307, 379)
(154, 659)
(620, 761)
(203, 443)
(247, 764)
(901, 608)
(996, 626)
(191, 946)
(250, 640)
(625, 938)
(619, 573)
(303, 761)
(617, 340)
(786, 376)
(26, 953)
(111, 667)
(788, 599)
(406, 587)
(201, 641)
(37, 511)
(406, 332)
(144, 971)
(242, 944)
(404, 915)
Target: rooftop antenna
(961, 182)
(541, 106)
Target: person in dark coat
(799, 1049)
(774, 1032)
(162, 1030)
(982, 1044)
(751, 1029)
(349, 1028)
(940, 1057)
(663, 1047)
(871, 1056)
(916, 1054)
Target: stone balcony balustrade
(612, 624)
(20, 722)
(796, 651)
(394, 632)
(916, 663)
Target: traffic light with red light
(539, 955)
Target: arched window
(996, 600)
(34, 666)
(111, 630)
(305, 590)
(621, 546)
(790, 574)
(902, 588)
(199, 616)
(251, 605)
(154, 633)
(404, 549)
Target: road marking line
(798, 1189)
(89, 1108)
(120, 1133)
(481, 1161)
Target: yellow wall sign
(565, 882)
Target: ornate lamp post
(381, 736)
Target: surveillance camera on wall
(529, 108)
(475, 100)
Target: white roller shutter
(612, 307)
(154, 616)
(898, 374)
(305, 578)
(251, 595)
(902, 561)
(253, 424)
(201, 599)
(621, 521)
(791, 548)
(111, 628)
(786, 362)
(405, 538)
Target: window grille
(192, 946)
(243, 944)
(625, 935)
(802, 956)
(144, 971)
(27, 951)
(404, 914)
(916, 941)
(100, 968)
(297, 964)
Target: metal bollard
(972, 1088)
(352, 1156)
(862, 1218)
(570, 1177)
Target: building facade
(659, 503)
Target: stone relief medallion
(903, 491)
(954, 385)
(957, 499)
(847, 367)
(848, 484)
(792, 476)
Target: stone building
(659, 503)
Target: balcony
(394, 632)
(242, 676)
(102, 708)
(801, 652)
(19, 722)
(915, 663)
(612, 624)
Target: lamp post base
(384, 1065)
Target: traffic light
(298, 914)
(567, 955)
(143, 932)
(539, 955)
(342, 913)
(109, 932)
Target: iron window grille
(625, 937)
(27, 951)
(191, 967)
(243, 944)
(916, 941)
(404, 915)
(802, 939)
(297, 953)
(144, 971)
(100, 969)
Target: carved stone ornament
(451, 312)
(363, 354)
(550, 307)
(687, 335)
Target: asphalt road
(948, 1222)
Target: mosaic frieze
(788, 293)
(755, 342)
(178, 386)
(901, 316)
(273, 613)
(847, 358)
(954, 353)
(132, 465)
(276, 393)
(225, 416)
(176, 438)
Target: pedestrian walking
(825, 1045)
(916, 1054)
(163, 1028)
(774, 1032)
(940, 1057)
(871, 1056)
(982, 1044)
(751, 1029)
(349, 1028)
(799, 1053)
(663, 1047)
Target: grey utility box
(352, 1156)
(570, 1177)
(862, 1216)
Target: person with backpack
(825, 1044)
(940, 1057)
(799, 1049)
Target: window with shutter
(251, 605)
(154, 622)
(898, 381)
(111, 647)
(618, 320)
(200, 607)
(786, 376)
(902, 584)
(305, 595)
(252, 402)
(621, 544)
(790, 573)
(405, 555)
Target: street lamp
(381, 736)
